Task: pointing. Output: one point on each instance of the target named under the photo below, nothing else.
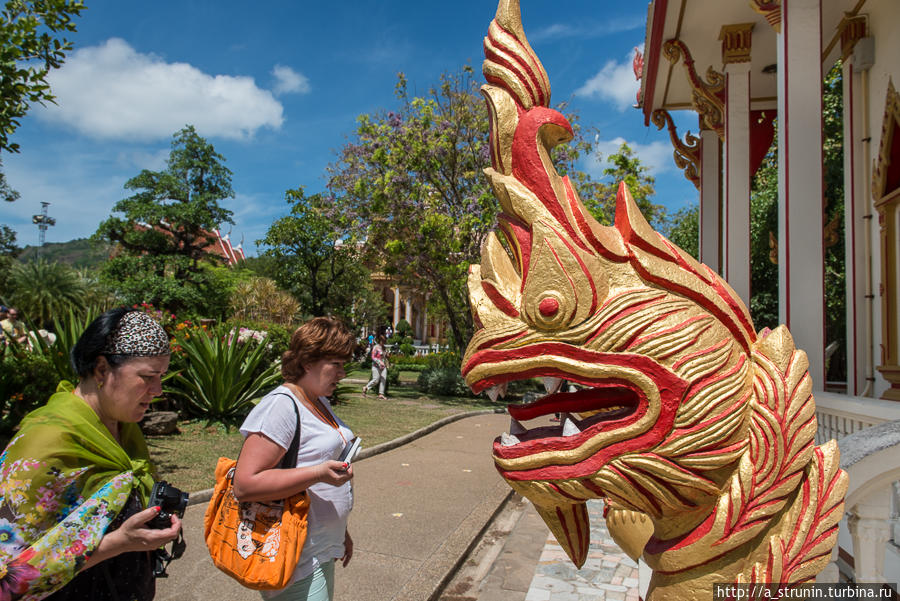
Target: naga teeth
(515, 428)
(508, 440)
(551, 385)
(497, 390)
(569, 428)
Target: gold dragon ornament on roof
(695, 430)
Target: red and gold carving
(708, 96)
(687, 152)
(736, 43)
(696, 430)
(886, 193)
(771, 10)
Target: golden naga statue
(697, 431)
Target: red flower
(17, 576)
(77, 548)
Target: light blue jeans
(318, 586)
(379, 376)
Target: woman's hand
(255, 478)
(134, 535)
(335, 472)
(348, 549)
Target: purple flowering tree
(412, 179)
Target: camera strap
(162, 558)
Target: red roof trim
(652, 55)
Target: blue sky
(276, 87)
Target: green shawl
(63, 480)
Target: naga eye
(563, 284)
(548, 307)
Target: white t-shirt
(329, 506)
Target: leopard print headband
(137, 335)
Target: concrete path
(519, 560)
(418, 510)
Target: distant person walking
(379, 368)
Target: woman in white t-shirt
(312, 368)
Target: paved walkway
(607, 575)
(433, 520)
(418, 509)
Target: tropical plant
(67, 331)
(260, 299)
(219, 380)
(98, 297)
(42, 290)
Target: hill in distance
(80, 252)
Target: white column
(710, 200)
(407, 315)
(855, 207)
(801, 276)
(870, 528)
(396, 305)
(737, 179)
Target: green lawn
(187, 460)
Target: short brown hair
(319, 338)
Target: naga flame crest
(687, 420)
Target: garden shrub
(417, 367)
(443, 359)
(401, 341)
(445, 381)
(26, 382)
(393, 376)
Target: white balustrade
(840, 415)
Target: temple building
(752, 71)
(409, 303)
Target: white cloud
(289, 81)
(589, 30)
(655, 156)
(615, 83)
(113, 92)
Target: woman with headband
(76, 478)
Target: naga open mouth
(626, 403)
(582, 414)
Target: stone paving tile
(607, 575)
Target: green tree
(317, 257)
(164, 231)
(599, 197)
(683, 229)
(412, 178)
(42, 290)
(29, 48)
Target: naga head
(657, 344)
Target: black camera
(171, 501)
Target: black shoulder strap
(289, 460)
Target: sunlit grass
(188, 459)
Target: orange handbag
(257, 544)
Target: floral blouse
(63, 480)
